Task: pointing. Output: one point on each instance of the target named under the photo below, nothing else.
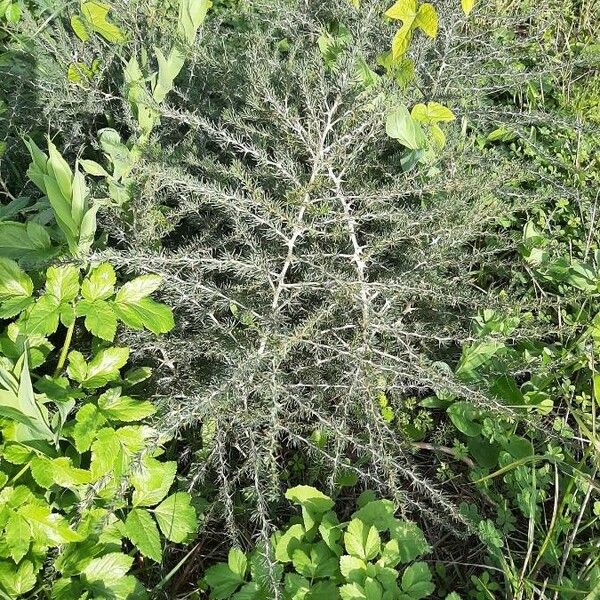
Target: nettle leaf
(416, 581)
(142, 531)
(176, 517)
(100, 283)
(17, 535)
(133, 306)
(102, 369)
(362, 540)
(115, 407)
(410, 538)
(223, 580)
(96, 16)
(151, 483)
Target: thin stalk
(65, 349)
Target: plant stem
(65, 349)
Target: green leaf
(310, 498)
(99, 283)
(379, 513)
(142, 531)
(288, 542)
(433, 112)
(14, 282)
(353, 568)
(48, 527)
(95, 14)
(410, 538)
(63, 283)
(100, 318)
(152, 482)
(401, 126)
(362, 540)
(416, 581)
(17, 536)
(108, 568)
(60, 170)
(237, 562)
(403, 10)
(123, 408)
(78, 26)
(102, 369)
(352, 591)
(44, 316)
(87, 422)
(463, 415)
(176, 517)
(58, 471)
(139, 288)
(17, 580)
(222, 581)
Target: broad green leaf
(288, 542)
(138, 288)
(176, 517)
(100, 283)
(91, 167)
(95, 14)
(401, 126)
(416, 581)
(44, 316)
(17, 580)
(403, 10)
(142, 531)
(237, 562)
(353, 568)
(410, 538)
(463, 415)
(379, 513)
(48, 527)
(100, 318)
(25, 242)
(105, 366)
(58, 471)
(427, 19)
(17, 536)
(123, 408)
(14, 282)
(63, 282)
(191, 15)
(401, 41)
(108, 568)
(432, 112)
(467, 6)
(362, 540)
(331, 532)
(222, 581)
(310, 498)
(145, 313)
(249, 591)
(59, 168)
(152, 481)
(88, 421)
(78, 26)
(352, 591)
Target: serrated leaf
(176, 517)
(48, 527)
(410, 538)
(138, 288)
(88, 422)
(123, 408)
(14, 282)
(104, 367)
(379, 513)
(416, 581)
(63, 282)
(142, 531)
(353, 568)
(222, 581)
(152, 482)
(17, 536)
(100, 318)
(99, 283)
(310, 498)
(352, 591)
(288, 542)
(237, 562)
(17, 580)
(43, 318)
(108, 568)
(362, 540)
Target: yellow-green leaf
(95, 13)
(467, 6)
(433, 112)
(79, 28)
(404, 10)
(401, 42)
(427, 20)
